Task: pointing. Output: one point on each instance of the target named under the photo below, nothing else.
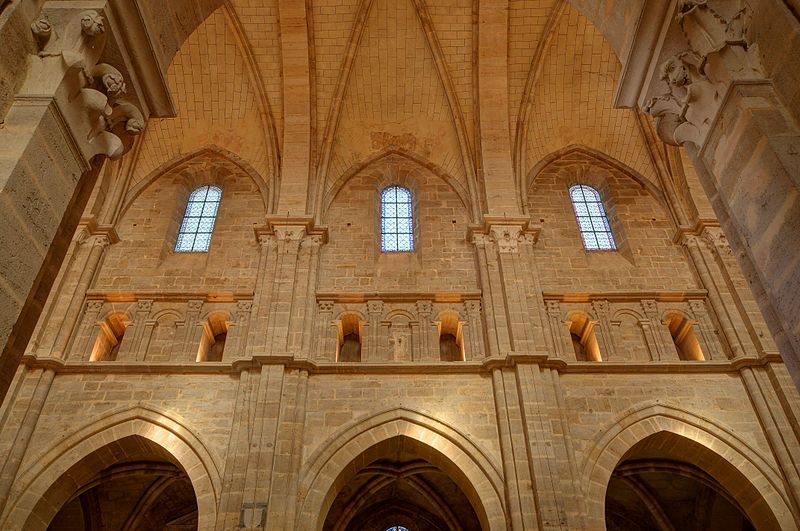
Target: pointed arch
(521, 134)
(604, 160)
(212, 153)
(448, 88)
(39, 496)
(717, 450)
(328, 467)
(405, 156)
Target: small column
(559, 330)
(605, 338)
(88, 329)
(474, 344)
(708, 343)
(326, 333)
(194, 330)
(371, 344)
(137, 334)
(659, 333)
(428, 337)
(238, 331)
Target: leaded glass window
(198, 221)
(397, 528)
(592, 218)
(397, 226)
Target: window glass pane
(190, 225)
(591, 217)
(201, 242)
(198, 220)
(195, 208)
(581, 209)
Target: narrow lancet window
(397, 226)
(592, 218)
(198, 221)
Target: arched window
(592, 219)
(109, 338)
(397, 226)
(682, 331)
(198, 221)
(349, 339)
(397, 528)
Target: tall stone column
(725, 87)
(73, 109)
(97, 245)
(513, 320)
(732, 325)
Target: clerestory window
(397, 224)
(198, 220)
(592, 218)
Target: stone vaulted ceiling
(393, 75)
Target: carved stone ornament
(553, 308)
(716, 239)
(506, 237)
(244, 306)
(325, 306)
(194, 305)
(144, 306)
(99, 241)
(424, 308)
(94, 306)
(472, 308)
(289, 234)
(698, 308)
(650, 308)
(685, 111)
(375, 307)
(96, 104)
(601, 307)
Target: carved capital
(144, 306)
(289, 233)
(601, 307)
(698, 308)
(553, 308)
(90, 93)
(716, 239)
(194, 305)
(325, 306)
(506, 237)
(472, 308)
(650, 308)
(93, 307)
(98, 240)
(424, 308)
(375, 308)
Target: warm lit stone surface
(210, 390)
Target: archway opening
(131, 483)
(667, 481)
(397, 484)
